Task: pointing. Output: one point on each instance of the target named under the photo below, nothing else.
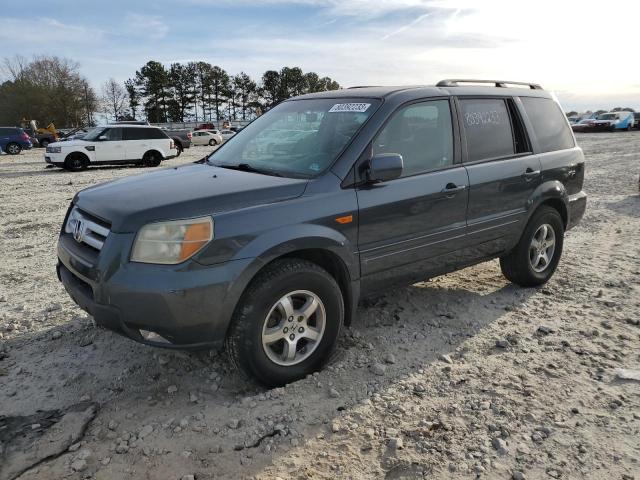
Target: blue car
(13, 140)
(612, 121)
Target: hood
(182, 192)
(70, 143)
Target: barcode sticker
(350, 107)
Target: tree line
(52, 89)
(46, 89)
(197, 91)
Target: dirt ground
(461, 376)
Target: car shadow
(405, 329)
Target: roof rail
(453, 82)
(361, 86)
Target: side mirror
(102, 138)
(384, 167)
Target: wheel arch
(77, 153)
(554, 195)
(153, 150)
(325, 252)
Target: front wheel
(178, 150)
(212, 143)
(287, 322)
(534, 259)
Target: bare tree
(114, 99)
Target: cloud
(144, 25)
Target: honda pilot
(267, 245)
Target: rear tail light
(172, 145)
(189, 135)
(25, 136)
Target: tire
(519, 265)
(13, 148)
(178, 149)
(151, 159)
(260, 308)
(44, 143)
(212, 142)
(75, 162)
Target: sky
(587, 52)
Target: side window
(154, 133)
(113, 134)
(487, 127)
(549, 124)
(422, 134)
(5, 132)
(134, 134)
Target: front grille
(87, 229)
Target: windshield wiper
(245, 167)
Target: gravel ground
(461, 376)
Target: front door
(412, 226)
(110, 149)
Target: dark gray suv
(267, 245)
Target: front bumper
(577, 207)
(188, 306)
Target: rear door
(410, 227)
(112, 148)
(136, 142)
(503, 172)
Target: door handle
(530, 174)
(451, 189)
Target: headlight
(172, 242)
(54, 149)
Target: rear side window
(136, 134)
(9, 131)
(549, 124)
(487, 127)
(422, 133)
(154, 133)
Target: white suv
(113, 144)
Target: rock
(112, 425)
(545, 330)
(85, 398)
(172, 389)
(233, 423)
(105, 461)
(56, 335)
(188, 477)
(502, 343)
(83, 454)
(122, 448)
(446, 359)
(333, 393)
(193, 398)
(627, 374)
(54, 307)
(378, 369)
(75, 447)
(79, 465)
(335, 427)
(389, 358)
(396, 443)
(517, 475)
(145, 431)
(163, 360)
(500, 446)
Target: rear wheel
(13, 148)
(75, 162)
(287, 322)
(535, 258)
(178, 149)
(151, 159)
(212, 143)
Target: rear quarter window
(154, 133)
(549, 124)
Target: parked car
(269, 254)
(612, 121)
(13, 140)
(585, 125)
(227, 134)
(113, 145)
(206, 137)
(181, 138)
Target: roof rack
(361, 86)
(454, 82)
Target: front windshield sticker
(349, 107)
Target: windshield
(299, 138)
(93, 134)
(608, 116)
